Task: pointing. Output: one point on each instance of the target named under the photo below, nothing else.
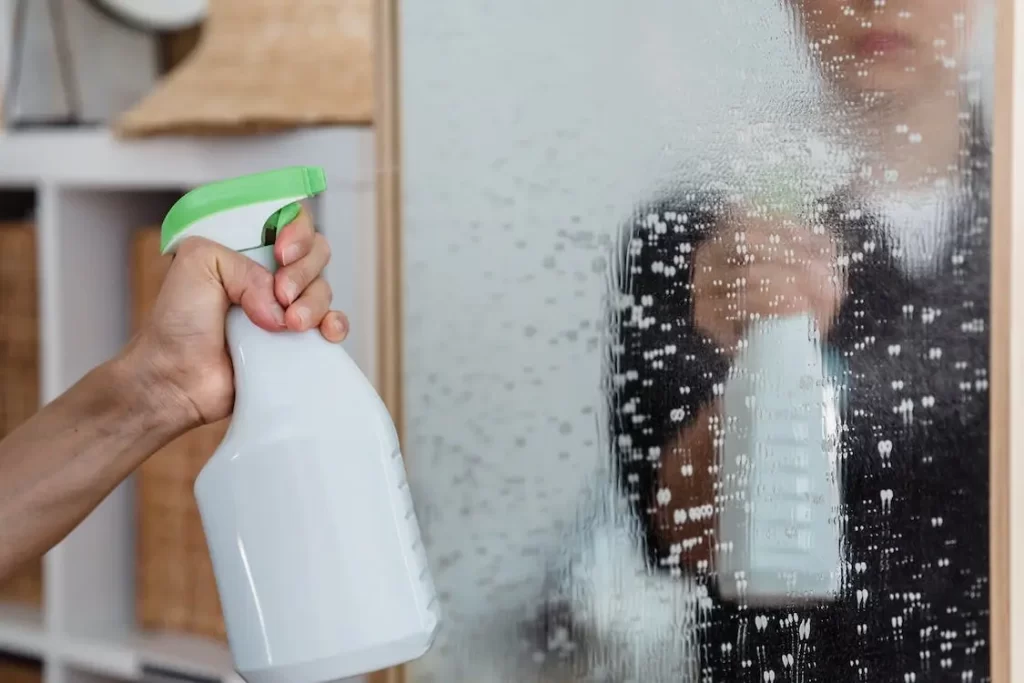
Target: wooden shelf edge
(22, 631)
(131, 655)
(95, 158)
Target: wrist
(148, 388)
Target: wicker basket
(20, 670)
(19, 367)
(175, 584)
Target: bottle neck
(268, 367)
(262, 360)
(263, 256)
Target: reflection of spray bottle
(779, 537)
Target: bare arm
(687, 471)
(60, 464)
(666, 369)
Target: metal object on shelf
(62, 50)
(154, 15)
(67, 64)
(176, 24)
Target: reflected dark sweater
(914, 605)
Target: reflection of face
(896, 46)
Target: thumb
(244, 282)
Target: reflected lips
(883, 42)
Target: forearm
(60, 464)
(688, 473)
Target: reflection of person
(898, 282)
(174, 375)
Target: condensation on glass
(696, 317)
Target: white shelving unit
(92, 190)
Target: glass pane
(696, 337)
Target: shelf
(95, 158)
(21, 630)
(131, 655)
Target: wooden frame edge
(389, 243)
(1004, 370)
(389, 209)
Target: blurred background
(535, 138)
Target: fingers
(760, 270)
(789, 245)
(243, 281)
(298, 283)
(296, 298)
(291, 280)
(310, 308)
(295, 240)
(334, 327)
(302, 255)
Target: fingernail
(291, 290)
(339, 327)
(302, 313)
(290, 253)
(278, 314)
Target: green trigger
(278, 220)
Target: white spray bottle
(315, 546)
(779, 531)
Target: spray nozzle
(235, 212)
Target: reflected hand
(759, 268)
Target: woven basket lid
(264, 65)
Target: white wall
(531, 130)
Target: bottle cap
(241, 213)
